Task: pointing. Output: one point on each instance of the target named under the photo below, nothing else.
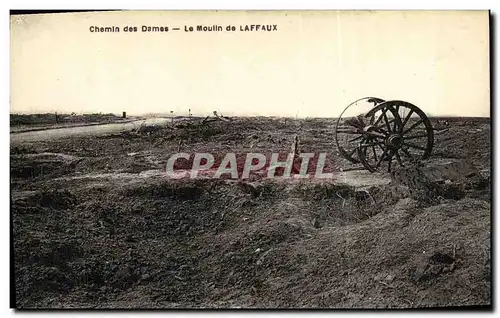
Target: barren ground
(97, 224)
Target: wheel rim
(347, 139)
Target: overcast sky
(315, 64)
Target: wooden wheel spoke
(407, 117)
(388, 125)
(371, 144)
(380, 117)
(382, 132)
(394, 120)
(376, 134)
(374, 153)
(381, 158)
(416, 136)
(352, 152)
(355, 138)
(397, 113)
(413, 126)
(415, 146)
(384, 124)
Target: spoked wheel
(409, 137)
(349, 130)
(376, 148)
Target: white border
(200, 5)
(256, 4)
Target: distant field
(53, 118)
(463, 119)
(33, 122)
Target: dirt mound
(43, 165)
(220, 243)
(441, 179)
(96, 230)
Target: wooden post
(124, 115)
(296, 152)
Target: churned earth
(98, 224)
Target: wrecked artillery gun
(387, 133)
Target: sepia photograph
(258, 159)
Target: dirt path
(82, 130)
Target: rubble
(447, 178)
